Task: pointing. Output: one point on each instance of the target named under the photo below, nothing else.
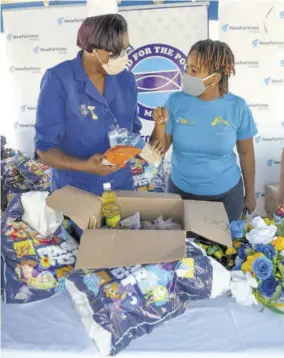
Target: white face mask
(194, 85)
(114, 65)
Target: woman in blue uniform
(81, 101)
(204, 123)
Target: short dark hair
(102, 32)
(217, 57)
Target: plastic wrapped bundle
(20, 174)
(146, 177)
(34, 267)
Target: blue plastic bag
(33, 267)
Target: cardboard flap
(207, 219)
(104, 248)
(78, 205)
(150, 208)
(145, 195)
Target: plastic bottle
(110, 208)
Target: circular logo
(158, 72)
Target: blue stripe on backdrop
(212, 11)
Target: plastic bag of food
(129, 147)
(146, 177)
(34, 267)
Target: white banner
(255, 32)
(40, 38)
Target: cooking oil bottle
(110, 207)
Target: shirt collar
(81, 76)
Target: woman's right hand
(94, 166)
(160, 116)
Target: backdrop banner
(255, 32)
(39, 38)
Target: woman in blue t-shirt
(204, 123)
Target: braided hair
(216, 56)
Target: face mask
(114, 65)
(194, 85)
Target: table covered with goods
(212, 300)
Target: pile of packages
(39, 257)
(20, 173)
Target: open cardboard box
(100, 248)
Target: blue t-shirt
(204, 134)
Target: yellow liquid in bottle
(110, 208)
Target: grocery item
(110, 208)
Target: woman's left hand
(250, 203)
(158, 146)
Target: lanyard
(115, 125)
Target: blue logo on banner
(12, 68)
(270, 162)
(267, 81)
(282, 15)
(258, 139)
(255, 43)
(9, 37)
(60, 20)
(23, 108)
(36, 50)
(158, 72)
(282, 63)
(282, 124)
(225, 27)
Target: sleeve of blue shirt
(170, 125)
(137, 126)
(247, 128)
(51, 116)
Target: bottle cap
(107, 186)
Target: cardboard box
(271, 203)
(100, 248)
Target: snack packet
(130, 146)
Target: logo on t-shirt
(185, 121)
(219, 121)
(158, 72)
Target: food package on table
(148, 178)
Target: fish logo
(282, 63)
(281, 15)
(158, 70)
(23, 108)
(269, 162)
(9, 37)
(282, 124)
(225, 27)
(257, 195)
(12, 69)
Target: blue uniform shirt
(75, 118)
(204, 135)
